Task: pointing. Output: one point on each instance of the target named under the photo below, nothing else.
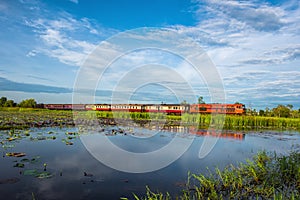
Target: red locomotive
(236, 108)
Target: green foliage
(28, 103)
(266, 176)
(9, 103)
(2, 101)
(200, 100)
(282, 111)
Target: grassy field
(27, 117)
(266, 176)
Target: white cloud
(31, 53)
(231, 39)
(255, 46)
(66, 38)
(259, 16)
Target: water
(67, 163)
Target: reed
(233, 122)
(266, 176)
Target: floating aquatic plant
(14, 154)
(37, 174)
(19, 165)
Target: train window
(202, 109)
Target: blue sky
(254, 45)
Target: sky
(253, 47)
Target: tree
(28, 103)
(200, 100)
(261, 113)
(290, 106)
(267, 112)
(2, 101)
(9, 103)
(294, 114)
(281, 111)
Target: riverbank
(19, 118)
(266, 176)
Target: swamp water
(57, 165)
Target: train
(176, 109)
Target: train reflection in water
(200, 132)
(217, 133)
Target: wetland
(44, 157)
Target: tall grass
(267, 176)
(205, 120)
(250, 122)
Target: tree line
(286, 111)
(27, 103)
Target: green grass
(24, 117)
(266, 176)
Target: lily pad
(71, 137)
(31, 172)
(13, 154)
(35, 159)
(71, 133)
(51, 138)
(5, 146)
(67, 142)
(43, 175)
(37, 174)
(32, 160)
(20, 165)
(24, 160)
